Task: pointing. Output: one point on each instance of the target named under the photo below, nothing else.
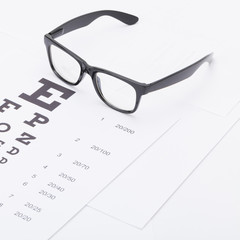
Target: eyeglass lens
(113, 90)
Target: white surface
(207, 205)
(136, 195)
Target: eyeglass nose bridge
(87, 69)
(84, 70)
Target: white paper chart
(57, 152)
(60, 145)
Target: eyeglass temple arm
(178, 76)
(86, 19)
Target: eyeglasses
(118, 92)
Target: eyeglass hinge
(57, 32)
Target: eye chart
(59, 147)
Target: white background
(207, 205)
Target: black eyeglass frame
(140, 88)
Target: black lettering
(3, 160)
(25, 136)
(1, 143)
(4, 127)
(7, 104)
(13, 151)
(43, 91)
(37, 119)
